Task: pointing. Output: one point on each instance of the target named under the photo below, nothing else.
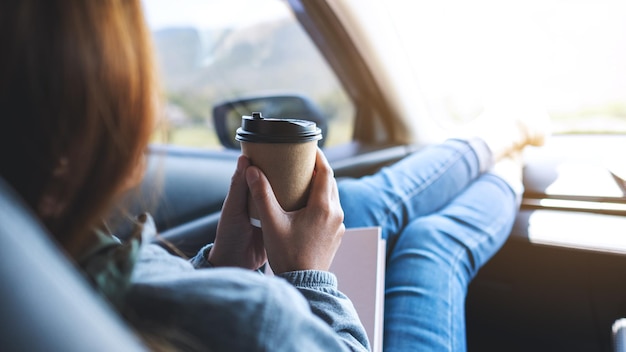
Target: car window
(567, 55)
(212, 51)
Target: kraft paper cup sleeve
(289, 169)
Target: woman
(77, 97)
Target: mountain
(220, 64)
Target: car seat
(45, 303)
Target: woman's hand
(237, 243)
(303, 239)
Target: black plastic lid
(257, 129)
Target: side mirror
(227, 115)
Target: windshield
(568, 55)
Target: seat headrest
(45, 303)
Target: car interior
(558, 283)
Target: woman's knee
(437, 242)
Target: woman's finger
(323, 181)
(236, 199)
(262, 194)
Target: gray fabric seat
(45, 303)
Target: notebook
(360, 269)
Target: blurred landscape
(201, 68)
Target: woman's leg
(434, 260)
(415, 186)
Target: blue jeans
(443, 218)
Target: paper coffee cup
(285, 150)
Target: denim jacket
(230, 309)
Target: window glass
(211, 51)
(569, 55)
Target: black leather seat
(45, 303)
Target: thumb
(262, 193)
(238, 192)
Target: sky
(206, 14)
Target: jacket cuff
(310, 279)
(201, 260)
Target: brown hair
(77, 101)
